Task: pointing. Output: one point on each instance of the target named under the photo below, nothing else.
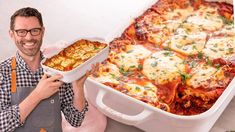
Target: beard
(29, 47)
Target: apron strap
(13, 75)
(43, 130)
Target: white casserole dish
(128, 110)
(76, 73)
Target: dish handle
(121, 117)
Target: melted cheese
(207, 18)
(223, 47)
(74, 55)
(168, 23)
(108, 73)
(187, 40)
(129, 60)
(148, 91)
(206, 76)
(78, 54)
(163, 67)
(178, 14)
(152, 25)
(67, 62)
(57, 59)
(159, 37)
(227, 30)
(175, 18)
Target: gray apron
(46, 117)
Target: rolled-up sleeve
(9, 115)
(10, 118)
(72, 115)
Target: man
(31, 101)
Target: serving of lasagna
(74, 55)
(176, 56)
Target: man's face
(28, 35)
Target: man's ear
(43, 31)
(11, 34)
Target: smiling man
(31, 101)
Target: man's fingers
(83, 78)
(86, 75)
(55, 77)
(56, 84)
(95, 67)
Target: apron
(46, 117)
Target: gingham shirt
(10, 115)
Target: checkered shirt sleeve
(9, 114)
(72, 115)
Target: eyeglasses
(24, 32)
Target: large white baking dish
(128, 110)
(76, 73)
(131, 111)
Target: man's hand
(80, 82)
(45, 88)
(48, 86)
(78, 89)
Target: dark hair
(26, 12)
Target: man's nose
(28, 36)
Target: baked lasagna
(176, 56)
(74, 55)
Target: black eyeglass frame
(25, 32)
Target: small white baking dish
(76, 73)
